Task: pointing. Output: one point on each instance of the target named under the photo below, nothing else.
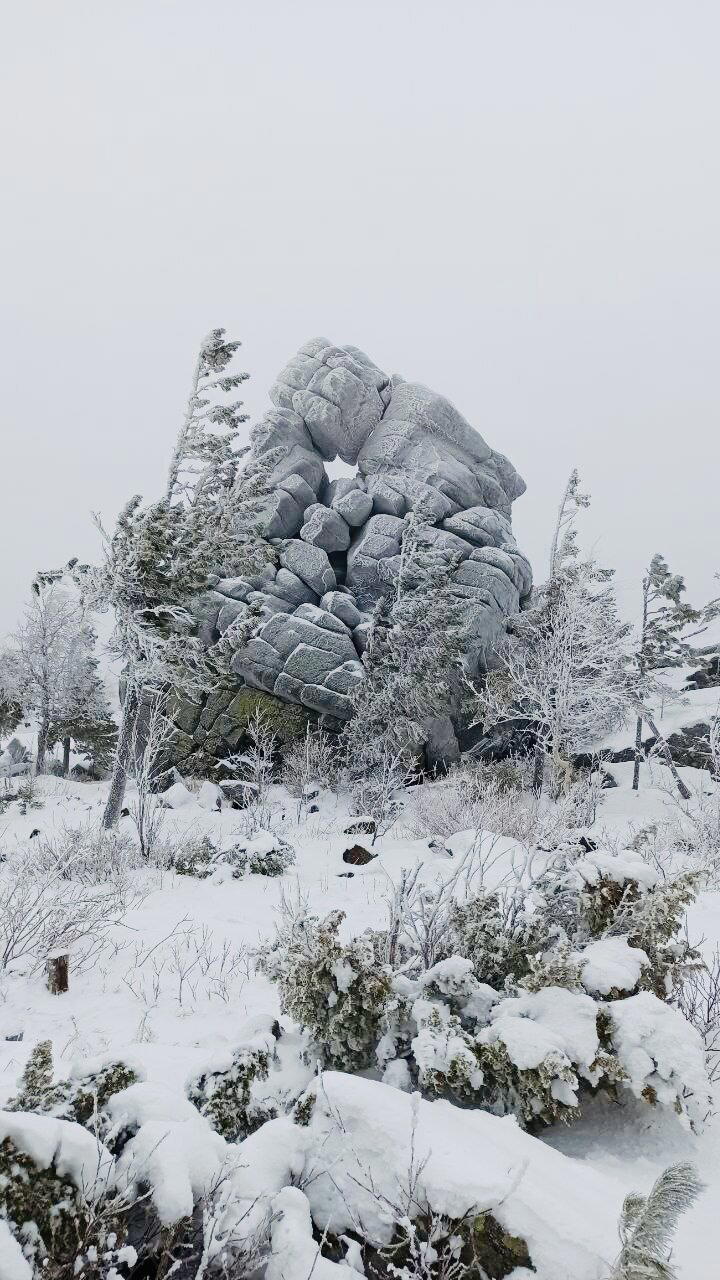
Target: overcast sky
(517, 203)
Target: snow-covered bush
(338, 990)
(79, 1098)
(194, 857)
(264, 854)
(222, 1092)
(511, 1001)
(57, 1198)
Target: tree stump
(58, 971)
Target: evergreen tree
(160, 557)
(86, 720)
(203, 460)
(665, 618)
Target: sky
(516, 202)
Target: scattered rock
(361, 826)
(358, 856)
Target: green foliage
(338, 991)
(54, 1222)
(79, 1098)
(195, 858)
(223, 1096)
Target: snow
(13, 1264)
(611, 964)
(130, 1005)
(551, 1021)
(465, 1161)
(75, 1153)
(294, 1252)
(658, 1050)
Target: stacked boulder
(339, 540)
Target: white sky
(517, 203)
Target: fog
(516, 203)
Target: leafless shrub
(41, 913)
(309, 764)
(150, 737)
(253, 768)
(475, 796)
(380, 794)
(699, 1001)
(86, 854)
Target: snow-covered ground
(150, 998)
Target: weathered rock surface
(340, 540)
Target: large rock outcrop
(339, 540)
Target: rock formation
(339, 540)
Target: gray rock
(269, 602)
(309, 665)
(361, 635)
(233, 588)
(299, 490)
(324, 528)
(231, 610)
(327, 701)
(289, 587)
(341, 606)
(355, 506)
(441, 746)
(337, 392)
(338, 488)
(282, 515)
(346, 678)
(310, 564)
(339, 540)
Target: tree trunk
(58, 969)
(538, 768)
(684, 792)
(638, 754)
(66, 757)
(118, 778)
(42, 745)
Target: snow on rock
(175, 1152)
(551, 1021)
(74, 1153)
(177, 796)
(294, 1252)
(363, 1132)
(210, 797)
(611, 964)
(662, 1054)
(13, 1263)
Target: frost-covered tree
(663, 627)
(49, 667)
(158, 560)
(203, 458)
(413, 659)
(565, 667)
(10, 710)
(86, 721)
(563, 546)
